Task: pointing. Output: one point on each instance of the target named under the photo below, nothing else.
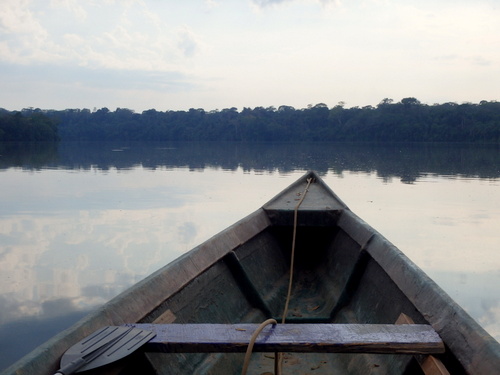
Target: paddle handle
(71, 367)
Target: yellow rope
(248, 353)
(292, 261)
(278, 358)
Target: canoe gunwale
(469, 342)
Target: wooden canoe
(350, 287)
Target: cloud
(490, 320)
(265, 3)
(186, 231)
(23, 35)
(480, 60)
(211, 4)
(188, 42)
(124, 35)
(16, 17)
(268, 3)
(72, 6)
(359, 52)
(98, 78)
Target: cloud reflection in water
(71, 239)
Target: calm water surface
(79, 223)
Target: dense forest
(31, 127)
(406, 121)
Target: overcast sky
(215, 54)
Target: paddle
(104, 346)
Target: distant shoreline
(404, 121)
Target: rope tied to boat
(278, 358)
(248, 353)
(292, 256)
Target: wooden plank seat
(430, 365)
(326, 338)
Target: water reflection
(405, 161)
(23, 335)
(31, 155)
(81, 222)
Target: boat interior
(335, 280)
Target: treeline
(406, 121)
(32, 127)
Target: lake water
(80, 222)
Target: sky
(216, 54)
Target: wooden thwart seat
(326, 338)
(430, 365)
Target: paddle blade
(105, 346)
